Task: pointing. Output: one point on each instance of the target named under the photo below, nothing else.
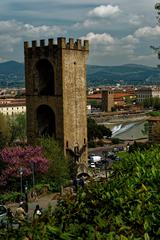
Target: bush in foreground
(125, 206)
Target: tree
(4, 131)
(58, 170)
(145, 130)
(15, 158)
(157, 7)
(97, 131)
(17, 126)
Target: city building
(12, 106)
(107, 100)
(144, 93)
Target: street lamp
(21, 179)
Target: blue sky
(119, 31)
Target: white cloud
(144, 59)
(135, 19)
(95, 38)
(130, 39)
(13, 33)
(104, 11)
(148, 32)
(88, 23)
(105, 46)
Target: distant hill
(12, 75)
(129, 74)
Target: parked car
(115, 149)
(95, 158)
(3, 216)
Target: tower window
(45, 83)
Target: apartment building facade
(12, 106)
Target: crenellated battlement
(61, 43)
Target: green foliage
(146, 128)
(153, 102)
(9, 197)
(116, 140)
(97, 131)
(91, 144)
(95, 103)
(11, 129)
(154, 113)
(4, 131)
(125, 206)
(139, 147)
(17, 126)
(58, 171)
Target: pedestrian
(34, 196)
(9, 218)
(37, 212)
(20, 214)
(25, 206)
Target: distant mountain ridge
(12, 75)
(129, 74)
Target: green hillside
(12, 75)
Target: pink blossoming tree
(16, 158)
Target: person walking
(37, 212)
(20, 214)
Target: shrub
(116, 140)
(9, 197)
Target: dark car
(111, 155)
(99, 164)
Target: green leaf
(146, 236)
(122, 237)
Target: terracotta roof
(12, 102)
(154, 119)
(95, 96)
(117, 96)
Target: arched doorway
(46, 121)
(46, 85)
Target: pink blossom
(16, 158)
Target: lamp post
(21, 179)
(26, 197)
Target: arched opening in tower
(46, 85)
(46, 121)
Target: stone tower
(107, 100)
(55, 76)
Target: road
(42, 201)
